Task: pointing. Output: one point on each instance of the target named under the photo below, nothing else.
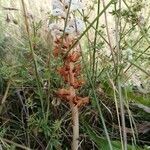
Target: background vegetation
(116, 61)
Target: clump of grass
(115, 62)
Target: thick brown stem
(75, 126)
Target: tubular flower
(75, 27)
(71, 69)
(60, 7)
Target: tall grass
(32, 116)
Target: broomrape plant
(65, 33)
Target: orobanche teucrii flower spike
(64, 36)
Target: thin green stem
(33, 56)
(119, 75)
(85, 31)
(97, 104)
(95, 42)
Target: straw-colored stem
(74, 112)
(75, 126)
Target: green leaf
(102, 143)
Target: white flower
(56, 4)
(75, 26)
(53, 26)
(56, 33)
(58, 12)
(59, 7)
(75, 4)
(56, 29)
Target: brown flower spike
(70, 72)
